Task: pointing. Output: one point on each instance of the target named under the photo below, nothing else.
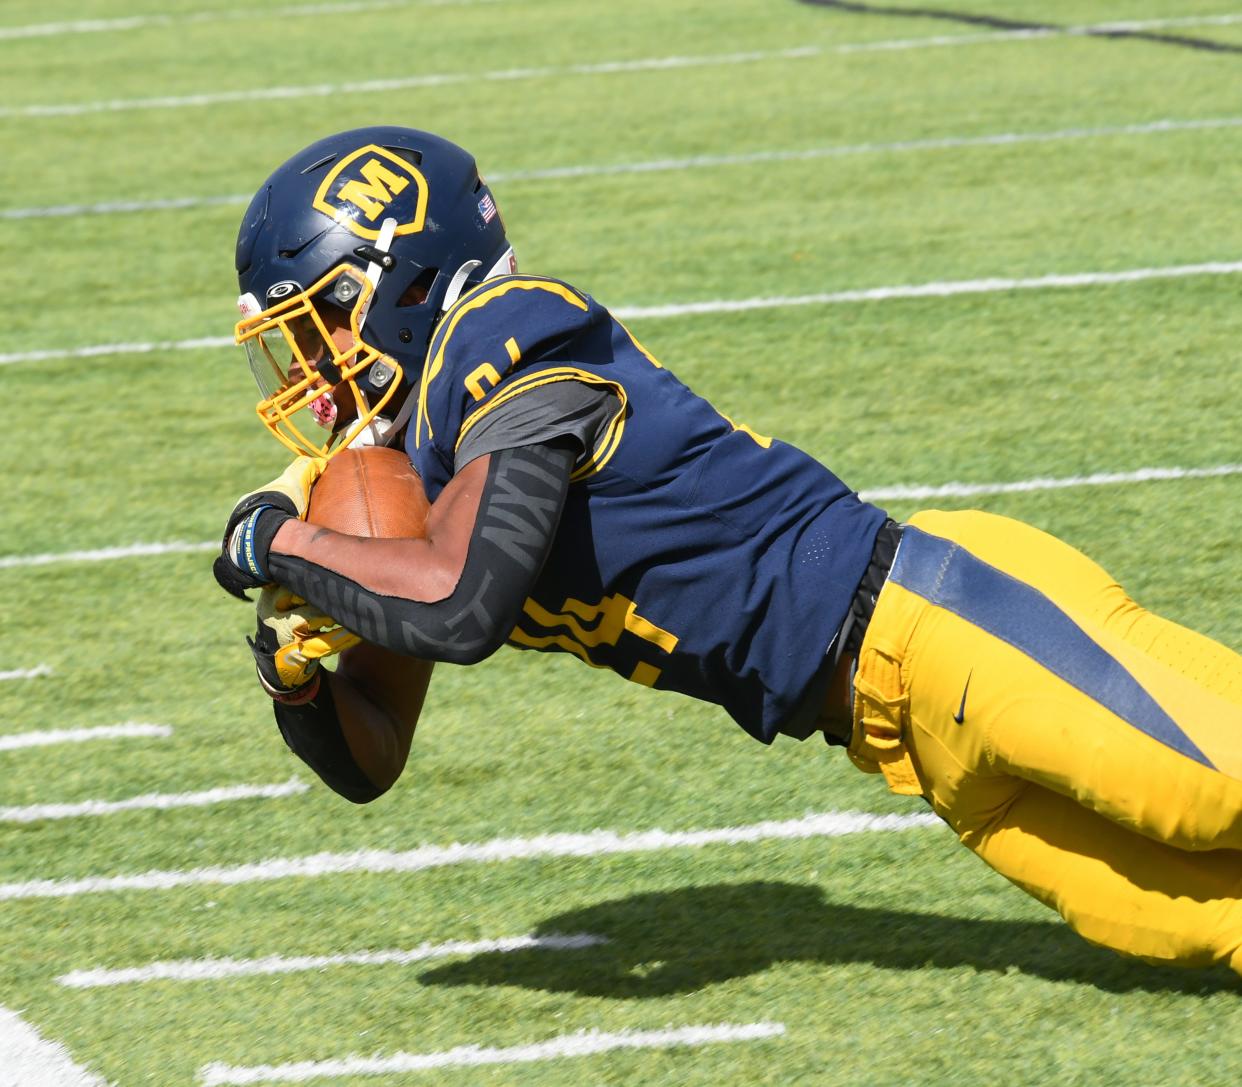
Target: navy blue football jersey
(693, 554)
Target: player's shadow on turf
(680, 941)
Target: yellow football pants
(1089, 751)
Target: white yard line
(26, 673)
(688, 162)
(583, 1044)
(128, 731)
(217, 969)
(892, 493)
(641, 64)
(138, 348)
(107, 554)
(27, 1059)
(596, 843)
(226, 794)
(387, 86)
(907, 291)
(946, 289)
(1096, 479)
(144, 22)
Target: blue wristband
(242, 549)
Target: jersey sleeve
(558, 409)
(509, 338)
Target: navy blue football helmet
(346, 258)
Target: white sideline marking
(875, 494)
(383, 86)
(117, 349)
(582, 1044)
(643, 64)
(27, 1059)
(141, 22)
(592, 844)
(129, 730)
(691, 162)
(114, 207)
(940, 289)
(947, 289)
(26, 673)
(216, 969)
(931, 143)
(1097, 479)
(105, 554)
(152, 802)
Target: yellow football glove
(295, 483)
(292, 638)
(242, 563)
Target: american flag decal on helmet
(487, 208)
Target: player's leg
(1061, 680)
(1117, 888)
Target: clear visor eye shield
(308, 358)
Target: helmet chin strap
(381, 431)
(506, 264)
(372, 432)
(457, 282)
(387, 231)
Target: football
(372, 491)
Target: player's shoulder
(525, 309)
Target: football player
(586, 501)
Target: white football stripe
(939, 289)
(583, 1044)
(137, 348)
(691, 162)
(107, 554)
(1097, 479)
(34, 813)
(644, 64)
(218, 969)
(592, 844)
(143, 22)
(129, 731)
(386, 86)
(27, 1059)
(892, 493)
(946, 289)
(26, 673)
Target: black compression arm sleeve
(312, 731)
(518, 514)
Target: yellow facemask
(309, 384)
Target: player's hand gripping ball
(242, 562)
(372, 492)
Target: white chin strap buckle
(506, 265)
(387, 231)
(457, 282)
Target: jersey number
(593, 625)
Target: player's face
(337, 407)
(310, 340)
(308, 362)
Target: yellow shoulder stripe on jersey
(641, 349)
(608, 442)
(474, 300)
(760, 439)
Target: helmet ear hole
(419, 288)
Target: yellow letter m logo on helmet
(370, 185)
